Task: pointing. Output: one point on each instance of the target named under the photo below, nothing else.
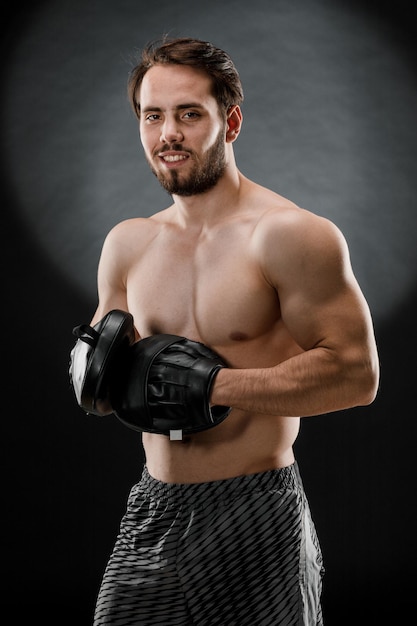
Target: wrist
(217, 395)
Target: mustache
(173, 146)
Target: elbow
(368, 383)
(359, 378)
(368, 395)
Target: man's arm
(116, 259)
(306, 259)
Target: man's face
(181, 129)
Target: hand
(167, 389)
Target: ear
(234, 123)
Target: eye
(191, 115)
(152, 117)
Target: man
(218, 530)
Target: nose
(170, 131)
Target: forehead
(169, 85)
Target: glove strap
(87, 334)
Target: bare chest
(212, 292)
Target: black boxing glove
(98, 360)
(167, 387)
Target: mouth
(172, 159)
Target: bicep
(321, 302)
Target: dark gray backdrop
(329, 121)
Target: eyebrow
(179, 107)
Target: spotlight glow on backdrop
(329, 121)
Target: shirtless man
(218, 530)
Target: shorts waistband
(282, 478)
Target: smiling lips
(172, 157)
(178, 157)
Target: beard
(204, 175)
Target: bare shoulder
(140, 230)
(296, 235)
(134, 225)
(281, 216)
(295, 246)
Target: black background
(67, 475)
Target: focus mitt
(99, 359)
(168, 385)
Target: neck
(214, 203)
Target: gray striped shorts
(236, 552)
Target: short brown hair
(227, 88)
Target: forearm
(312, 383)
